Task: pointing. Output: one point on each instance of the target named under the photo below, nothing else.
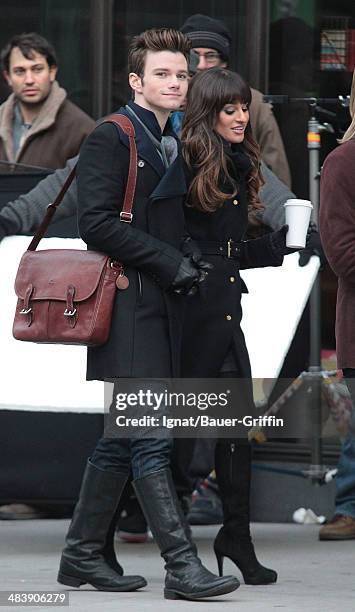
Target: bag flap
(50, 272)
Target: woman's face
(232, 121)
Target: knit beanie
(203, 31)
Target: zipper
(140, 286)
(232, 447)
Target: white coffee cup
(298, 214)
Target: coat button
(141, 163)
(228, 317)
(235, 202)
(232, 279)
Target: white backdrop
(52, 377)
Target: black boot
(132, 526)
(83, 558)
(233, 470)
(108, 551)
(186, 577)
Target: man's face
(163, 86)
(209, 58)
(29, 79)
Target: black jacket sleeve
(101, 182)
(259, 253)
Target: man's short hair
(163, 39)
(28, 43)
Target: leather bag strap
(126, 214)
(128, 128)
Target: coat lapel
(145, 148)
(147, 151)
(172, 184)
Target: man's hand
(192, 271)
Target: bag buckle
(126, 217)
(69, 313)
(26, 311)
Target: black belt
(229, 249)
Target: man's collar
(150, 120)
(17, 113)
(18, 116)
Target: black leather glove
(190, 273)
(278, 242)
(313, 247)
(190, 248)
(3, 233)
(203, 268)
(186, 277)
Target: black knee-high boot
(233, 470)
(108, 551)
(84, 558)
(186, 577)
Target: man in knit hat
(211, 41)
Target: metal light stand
(315, 375)
(316, 380)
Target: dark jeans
(139, 455)
(345, 478)
(142, 456)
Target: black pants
(184, 448)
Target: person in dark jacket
(222, 166)
(144, 339)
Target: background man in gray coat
(23, 215)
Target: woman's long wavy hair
(203, 149)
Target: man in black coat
(144, 340)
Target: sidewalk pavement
(313, 576)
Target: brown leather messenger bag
(66, 296)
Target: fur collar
(44, 120)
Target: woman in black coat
(222, 168)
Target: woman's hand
(313, 247)
(278, 242)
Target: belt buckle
(229, 248)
